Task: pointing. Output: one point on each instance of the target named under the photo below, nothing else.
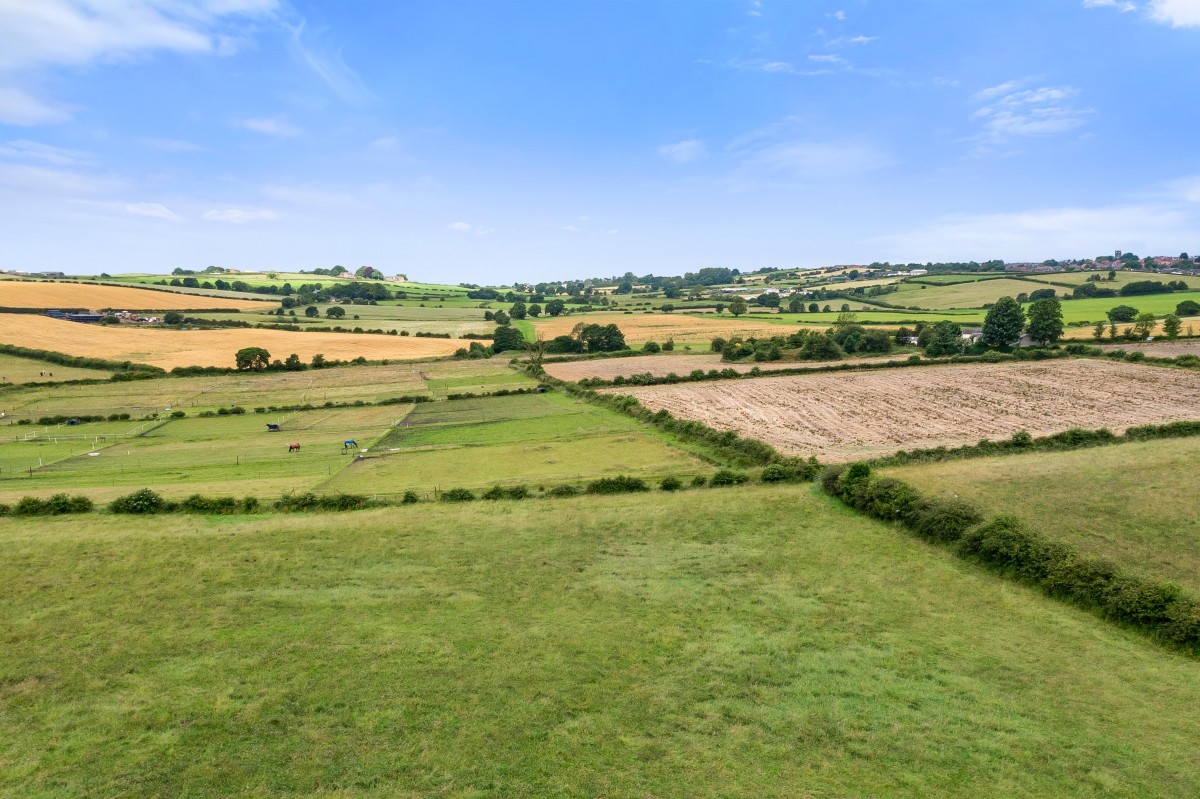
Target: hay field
(171, 348)
(608, 368)
(1158, 349)
(846, 416)
(14, 369)
(639, 328)
(20, 294)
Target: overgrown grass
(766, 643)
(1132, 503)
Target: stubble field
(171, 348)
(846, 416)
(659, 327)
(658, 365)
(20, 294)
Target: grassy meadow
(14, 369)
(1133, 503)
(597, 647)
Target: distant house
(917, 272)
(52, 274)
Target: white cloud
(327, 63)
(25, 150)
(683, 152)
(1029, 235)
(840, 16)
(1122, 5)
(572, 228)
(1176, 13)
(19, 107)
(240, 216)
(41, 34)
(55, 182)
(827, 59)
(307, 195)
(173, 145)
(844, 40)
(153, 210)
(270, 127)
(463, 227)
(1012, 112)
(816, 160)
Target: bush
(198, 503)
(506, 492)
(943, 519)
(671, 484)
(728, 477)
(562, 491)
(142, 501)
(831, 478)
(699, 481)
(617, 485)
(410, 498)
(777, 473)
(458, 495)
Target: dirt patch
(608, 368)
(17, 294)
(849, 415)
(171, 348)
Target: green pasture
(219, 455)
(1095, 309)
(967, 295)
(1121, 278)
(1133, 503)
(538, 439)
(27, 370)
(953, 279)
(761, 642)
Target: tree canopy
(1003, 324)
(1046, 320)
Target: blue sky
(497, 141)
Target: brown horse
(293, 447)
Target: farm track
(850, 415)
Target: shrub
(831, 478)
(562, 491)
(943, 519)
(617, 485)
(728, 477)
(671, 484)
(699, 481)
(506, 492)
(777, 473)
(198, 503)
(458, 495)
(410, 498)
(142, 501)
(887, 498)
(177, 414)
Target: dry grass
(171, 348)
(841, 417)
(609, 368)
(1159, 349)
(659, 327)
(17, 294)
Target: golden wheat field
(20, 294)
(659, 327)
(849, 415)
(171, 348)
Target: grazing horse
(348, 443)
(293, 447)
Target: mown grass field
(765, 642)
(539, 440)
(14, 369)
(45, 294)
(971, 294)
(1133, 503)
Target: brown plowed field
(849, 415)
(608, 368)
(1159, 349)
(171, 348)
(19, 294)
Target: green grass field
(1122, 277)
(763, 643)
(536, 439)
(1095, 310)
(1133, 503)
(966, 295)
(27, 370)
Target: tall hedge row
(1013, 548)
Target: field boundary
(1011, 548)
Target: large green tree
(945, 339)
(507, 337)
(1003, 324)
(737, 306)
(1172, 325)
(252, 359)
(1046, 320)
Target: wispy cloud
(683, 152)
(152, 210)
(824, 58)
(1008, 111)
(240, 216)
(464, 227)
(817, 160)
(35, 36)
(307, 195)
(270, 127)
(173, 145)
(25, 150)
(775, 67)
(1176, 13)
(328, 64)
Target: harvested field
(846, 416)
(608, 368)
(659, 327)
(20, 294)
(171, 348)
(1159, 349)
